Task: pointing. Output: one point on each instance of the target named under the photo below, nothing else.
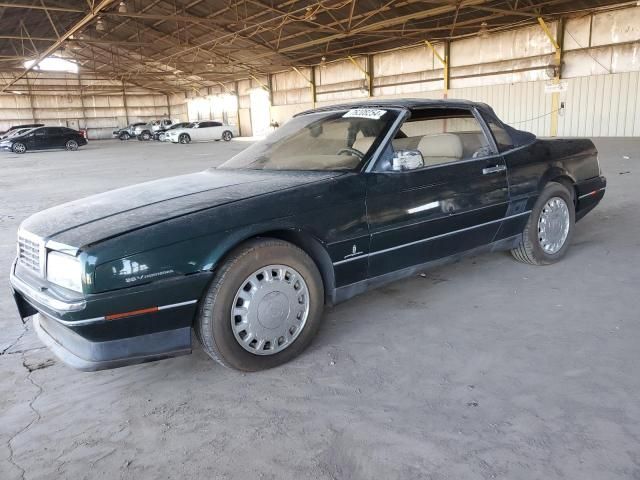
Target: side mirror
(406, 160)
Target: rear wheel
(71, 145)
(146, 136)
(124, 136)
(263, 307)
(547, 235)
(19, 147)
(161, 137)
(184, 138)
(227, 135)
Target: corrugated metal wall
(602, 106)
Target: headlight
(64, 270)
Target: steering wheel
(351, 151)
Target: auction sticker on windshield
(372, 113)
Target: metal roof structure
(178, 45)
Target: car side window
(41, 132)
(206, 124)
(502, 138)
(216, 124)
(442, 135)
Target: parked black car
(43, 138)
(335, 202)
(16, 127)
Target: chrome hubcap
(553, 225)
(270, 309)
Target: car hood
(92, 219)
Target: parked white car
(202, 132)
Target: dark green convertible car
(339, 200)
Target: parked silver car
(145, 132)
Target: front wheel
(71, 145)
(161, 137)
(124, 136)
(19, 147)
(547, 235)
(227, 136)
(184, 138)
(146, 136)
(263, 307)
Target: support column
(124, 101)
(370, 84)
(367, 75)
(447, 55)
(557, 64)
(445, 65)
(168, 106)
(311, 81)
(84, 112)
(270, 86)
(237, 89)
(33, 110)
(314, 95)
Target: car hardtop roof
(401, 103)
(518, 137)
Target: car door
(207, 131)
(216, 130)
(453, 202)
(195, 132)
(41, 139)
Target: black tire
(227, 136)
(213, 324)
(71, 145)
(139, 137)
(124, 136)
(184, 138)
(19, 148)
(529, 250)
(146, 136)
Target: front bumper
(6, 146)
(112, 329)
(82, 354)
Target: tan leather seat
(441, 148)
(363, 144)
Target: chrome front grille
(30, 252)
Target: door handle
(495, 169)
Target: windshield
(336, 140)
(18, 132)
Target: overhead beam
(52, 48)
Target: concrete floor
(487, 368)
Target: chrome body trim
(591, 193)
(61, 247)
(40, 297)
(422, 240)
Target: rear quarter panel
(531, 167)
